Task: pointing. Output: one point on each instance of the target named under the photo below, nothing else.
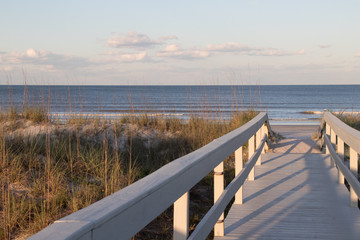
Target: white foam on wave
(110, 115)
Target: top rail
(204, 227)
(352, 180)
(126, 212)
(341, 134)
(348, 134)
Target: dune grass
(63, 167)
(352, 120)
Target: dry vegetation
(352, 120)
(50, 169)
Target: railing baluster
(333, 143)
(218, 190)
(354, 170)
(333, 138)
(251, 151)
(258, 140)
(327, 132)
(181, 217)
(265, 131)
(340, 150)
(263, 134)
(239, 164)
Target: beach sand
(296, 139)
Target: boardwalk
(294, 196)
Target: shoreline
(185, 116)
(167, 112)
(335, 112)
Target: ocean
(284, 103)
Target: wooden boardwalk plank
(294, 196)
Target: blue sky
(180, 42)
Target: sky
(184, 42)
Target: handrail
(124, 213)
(204, 227)
(351, 179)
(341, 134)
(348, 134)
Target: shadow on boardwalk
(294, 195)
(297, 139)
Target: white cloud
(167, 38)
(32, 53)
(136, 40)
(276, 52)
(10, 58)
(238, 48)
(302, 51)
(127, 57)
(172, 48)
(175, 51)
(230, 47)
(357, 55)
(44, 58)
(133, 57)
(132, 40)
(324, 46)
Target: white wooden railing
(124, 213)
(341, 134)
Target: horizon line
(142, 85)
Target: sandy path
(296, 139)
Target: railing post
(181, 217)
(218, 190)
(258, 140)
(340, 150)
(251, 147)
(239, 164)
(354, 170)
